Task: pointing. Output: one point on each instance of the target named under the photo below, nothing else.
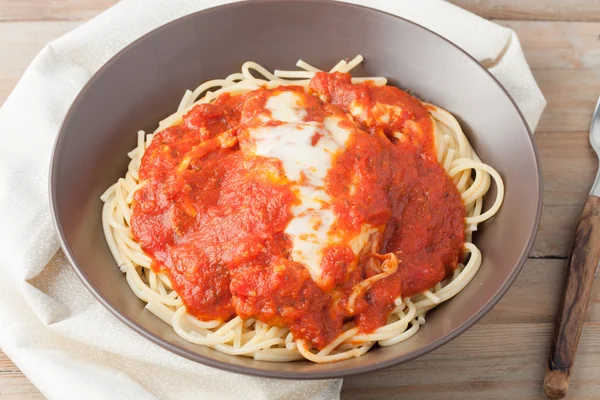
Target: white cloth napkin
(66, 343)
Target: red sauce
(213, 218)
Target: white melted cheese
(306, 165)
(286, 107)
(292, 144)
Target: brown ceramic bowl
(144, 82)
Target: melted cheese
(306, 151)
(292, 144)
(286, 107)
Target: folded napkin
(64, 341)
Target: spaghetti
(270, 339)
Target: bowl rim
(298, 375)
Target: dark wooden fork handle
(581, 270)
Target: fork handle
(581, 270)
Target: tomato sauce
(212, 216)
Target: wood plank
(488, 361)
(569, 166)
(571, 10)
(59, 10)
(571, 96)
(533, 296)
(16, 386)
(565, 59)
(6, 365)
(556, 230)
(22, 41)
(558, 45)
(13, 384)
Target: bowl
(143, 83)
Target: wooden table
(504, 355)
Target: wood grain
(499, 361)
(535, 297)
(569, 167)
(6, 365)
(565, 61)
(20, 42)
(581, 270)
(55, 10)
(15, 386)
(557, 10)
(571, 96)
(558, 45)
